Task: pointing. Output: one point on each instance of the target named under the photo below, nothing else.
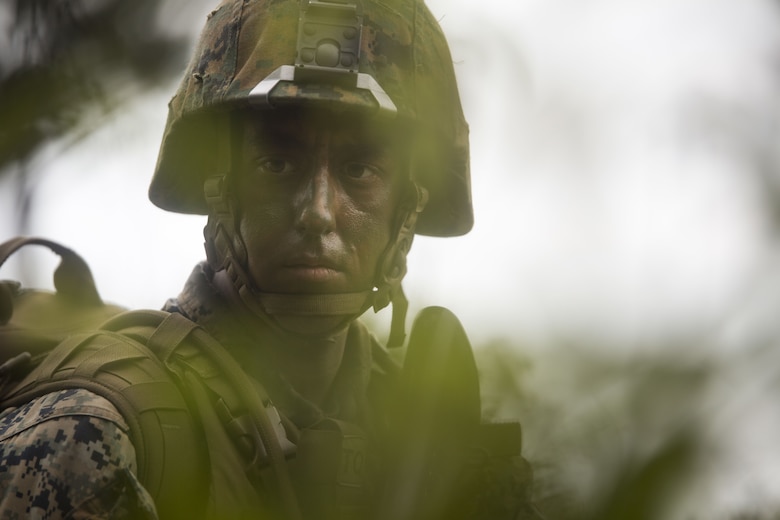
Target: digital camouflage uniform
(67, 455)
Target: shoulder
(64, 404)
(65, 451)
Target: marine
(318, 137)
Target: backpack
(35, 321)
(52, 341)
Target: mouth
(311, 262)
(313, 269)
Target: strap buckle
(247, 438)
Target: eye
(360, 171)
(275, 165)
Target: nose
(315, 214)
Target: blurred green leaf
(69, 64)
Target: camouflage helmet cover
(244, 41)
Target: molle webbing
(131, 377)
(200, 363)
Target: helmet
(401, 56)
(384, 59)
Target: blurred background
(621, 284)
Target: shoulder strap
(201, 360)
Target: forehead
(307, 126)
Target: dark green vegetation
(655, 436)
(66, 65)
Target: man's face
(317, 200)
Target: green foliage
(69, 57)
(67, 64)
(613, 439)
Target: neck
(310, 365)
(308, 362)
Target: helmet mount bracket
(327, 53)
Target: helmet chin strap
(391, 267)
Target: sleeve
(67, 455)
